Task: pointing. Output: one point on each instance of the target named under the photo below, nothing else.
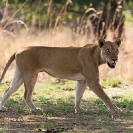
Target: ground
(58, 115)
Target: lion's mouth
(111, 65)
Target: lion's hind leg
(29, 83)
(15, 84)
(80, 88)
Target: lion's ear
(118, 42)
(101, 42)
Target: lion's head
(109, 51)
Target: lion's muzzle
(112, 63)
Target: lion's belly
(78, 76)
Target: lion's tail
(12, 58)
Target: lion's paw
(116, 111)
(81, 110)
(3, 109)
(77, 111)
(37, 111)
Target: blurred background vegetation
(67, 23)
(83, 17)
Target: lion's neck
(98, 56)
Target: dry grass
(65, 37)
(61, 36)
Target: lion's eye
(108, 51)
(117, 50)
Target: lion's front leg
(96, 88)
(91, 74)
(80, 88)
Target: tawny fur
(73, 63)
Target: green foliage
(44, 14)
(83, 17)
(128, 16)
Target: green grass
(57, 102)
(110, 82)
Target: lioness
(72, 63)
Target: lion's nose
(115, 60)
